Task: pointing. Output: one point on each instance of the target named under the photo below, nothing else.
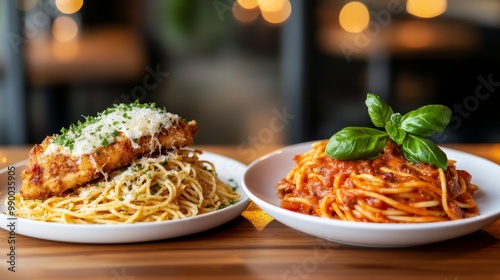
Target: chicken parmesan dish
(392, 176)
(130, 163)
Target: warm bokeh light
(64, 29)
(272, 11)
(278, 16)
(426, 8)
(248, 4)
(354, 17)
(243, 14)
(69, 6)
(272, 5)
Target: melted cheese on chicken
(132, 122)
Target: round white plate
(228, 170)
(263, 174)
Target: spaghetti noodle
(387, 189)
(170, 186)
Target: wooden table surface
(253, 246)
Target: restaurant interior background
(250, 72)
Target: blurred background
(251, 72)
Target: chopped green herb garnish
(106, 132)
(233, 184)
(155, 188)
(104, 142)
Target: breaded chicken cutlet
(90, 150)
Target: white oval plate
(229, 171)
(263, 174)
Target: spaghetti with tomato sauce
(387, 189)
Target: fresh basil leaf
(356, 143)
(394, 130)
(426, 120)
(418, 149)
(378, 110)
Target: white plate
(229, 171)
(263, 174)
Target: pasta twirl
(388, 189)
(171, 186)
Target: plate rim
(341, 224)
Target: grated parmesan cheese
(132, 120)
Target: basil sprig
(409, 131)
